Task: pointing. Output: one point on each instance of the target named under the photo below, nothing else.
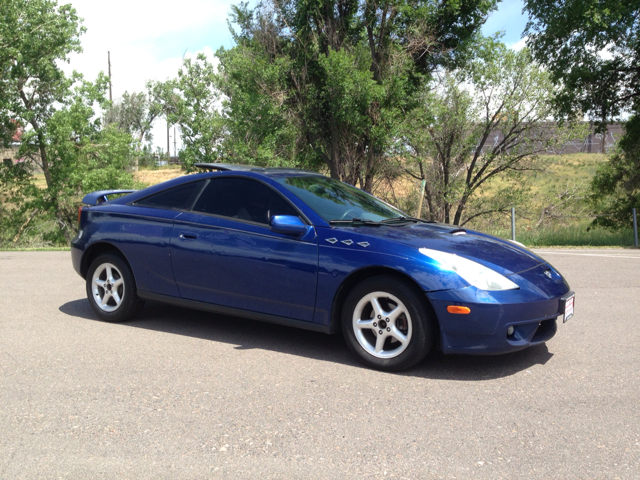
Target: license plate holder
(568, 302)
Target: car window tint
(244, 199)
(179, 198)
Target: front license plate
(568, 308)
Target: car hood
(482, 248)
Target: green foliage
(500, 100)
(616, 185)
(312, 84)
(82, 158)
(135, 114)
(260, 128)
(592, 48)
(61, 136)
(192, 101)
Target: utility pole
(175, 151)
(168, 144)
(109, 62)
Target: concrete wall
(592, 143)
(9, 153)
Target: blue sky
(508, 18)
(148, 40)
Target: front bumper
(531, 311)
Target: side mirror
(288, 225)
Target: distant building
(10, 154)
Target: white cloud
(147, 40)
(131, 20)
(519, 45)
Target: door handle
(188, 236)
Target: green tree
(61, 137)
(329, 81)
(192, 101)
(485, 122)
(135, 114)
(592, 49)
(616, 185)
(83, 157)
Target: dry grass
(39, 180)
(153, 177)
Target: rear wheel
(386, 324)
(111, 289)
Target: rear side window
(243, 199)
(178, 198)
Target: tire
(111, 289)
(386, 324)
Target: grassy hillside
(567, 219)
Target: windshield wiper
(355, 221)
(386, 221)
(404, 220)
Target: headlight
(473, 273)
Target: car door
(142, 230)
(223, 252)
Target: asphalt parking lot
(183, 394)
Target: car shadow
(248, 334)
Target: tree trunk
(370, 170)
(334, 156)
(461, 206)
(53, 195)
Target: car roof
(252, 168)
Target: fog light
(510, 331)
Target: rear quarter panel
(142, 235)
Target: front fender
(337, 262)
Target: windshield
(334, 200)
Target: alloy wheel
(382, 325)
(107, 287)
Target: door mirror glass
(288, 225)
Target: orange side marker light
(458, 309)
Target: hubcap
(382, 325)
(107, 287)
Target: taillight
(79, 215)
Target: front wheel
(111, 289)
(386, 324)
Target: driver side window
(243, 199)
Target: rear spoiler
(101, 196)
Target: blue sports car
(297, 248)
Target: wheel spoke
(398, 335)
(118, 282)
(377, 308)
(116, 297)
(365, 324)
(395, 313)
(109, 273)
(380, 343)
(98, 282)
(105, 299)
